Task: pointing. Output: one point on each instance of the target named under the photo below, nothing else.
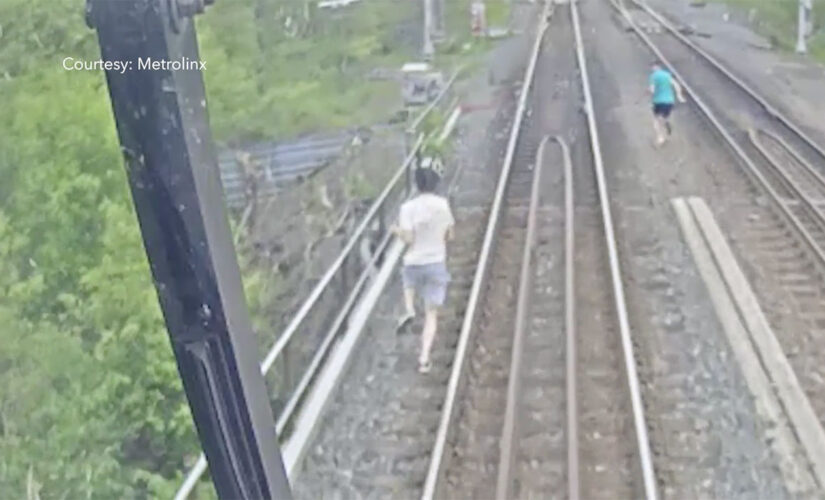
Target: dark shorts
(662, 110)
(429, 281)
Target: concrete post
(428, 49)
(441, 19)
(804, 7)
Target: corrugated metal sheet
(279, 164)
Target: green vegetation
(498, 13)
(300, 69)
(461, 48)
(432, 123)
(438, 149)
(777, 20)
(458, 21)
(358, 187)
(91, 405)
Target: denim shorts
(662, 109)
(428, 280)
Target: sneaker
(403, 321)
(425, 367)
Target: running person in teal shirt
(664, 89)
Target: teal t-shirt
(662, 84)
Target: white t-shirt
(427, 217)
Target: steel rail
(507, 457)
(573, 481)
(508, 434)
(433, 479)
(767, 106)
(820, 179)
(794, 186)
(645, 459)
(750, 167)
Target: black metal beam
(170, 158)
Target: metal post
(441, 20)
(408, 173)
(162, 123)
(428, 49)
(801, 45)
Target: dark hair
(426, 180)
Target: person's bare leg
(660, 130)
(409, 309)
(656, 128)
(409, 301)
(428, 335)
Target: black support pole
(162, 122)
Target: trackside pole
(805, 7)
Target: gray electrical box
(420, 83)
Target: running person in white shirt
(425, 224)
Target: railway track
(393, 446)
(391, 457)
(526, 288)
(556, 403)
(475, 460)
(567, 423)
(776, 153)
(532, 453)
(566, 377)
(782, 241)
(550, 342)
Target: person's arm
(678, 88)
(404, 228)
(450, 233)
(651, 85)
(405, 236)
